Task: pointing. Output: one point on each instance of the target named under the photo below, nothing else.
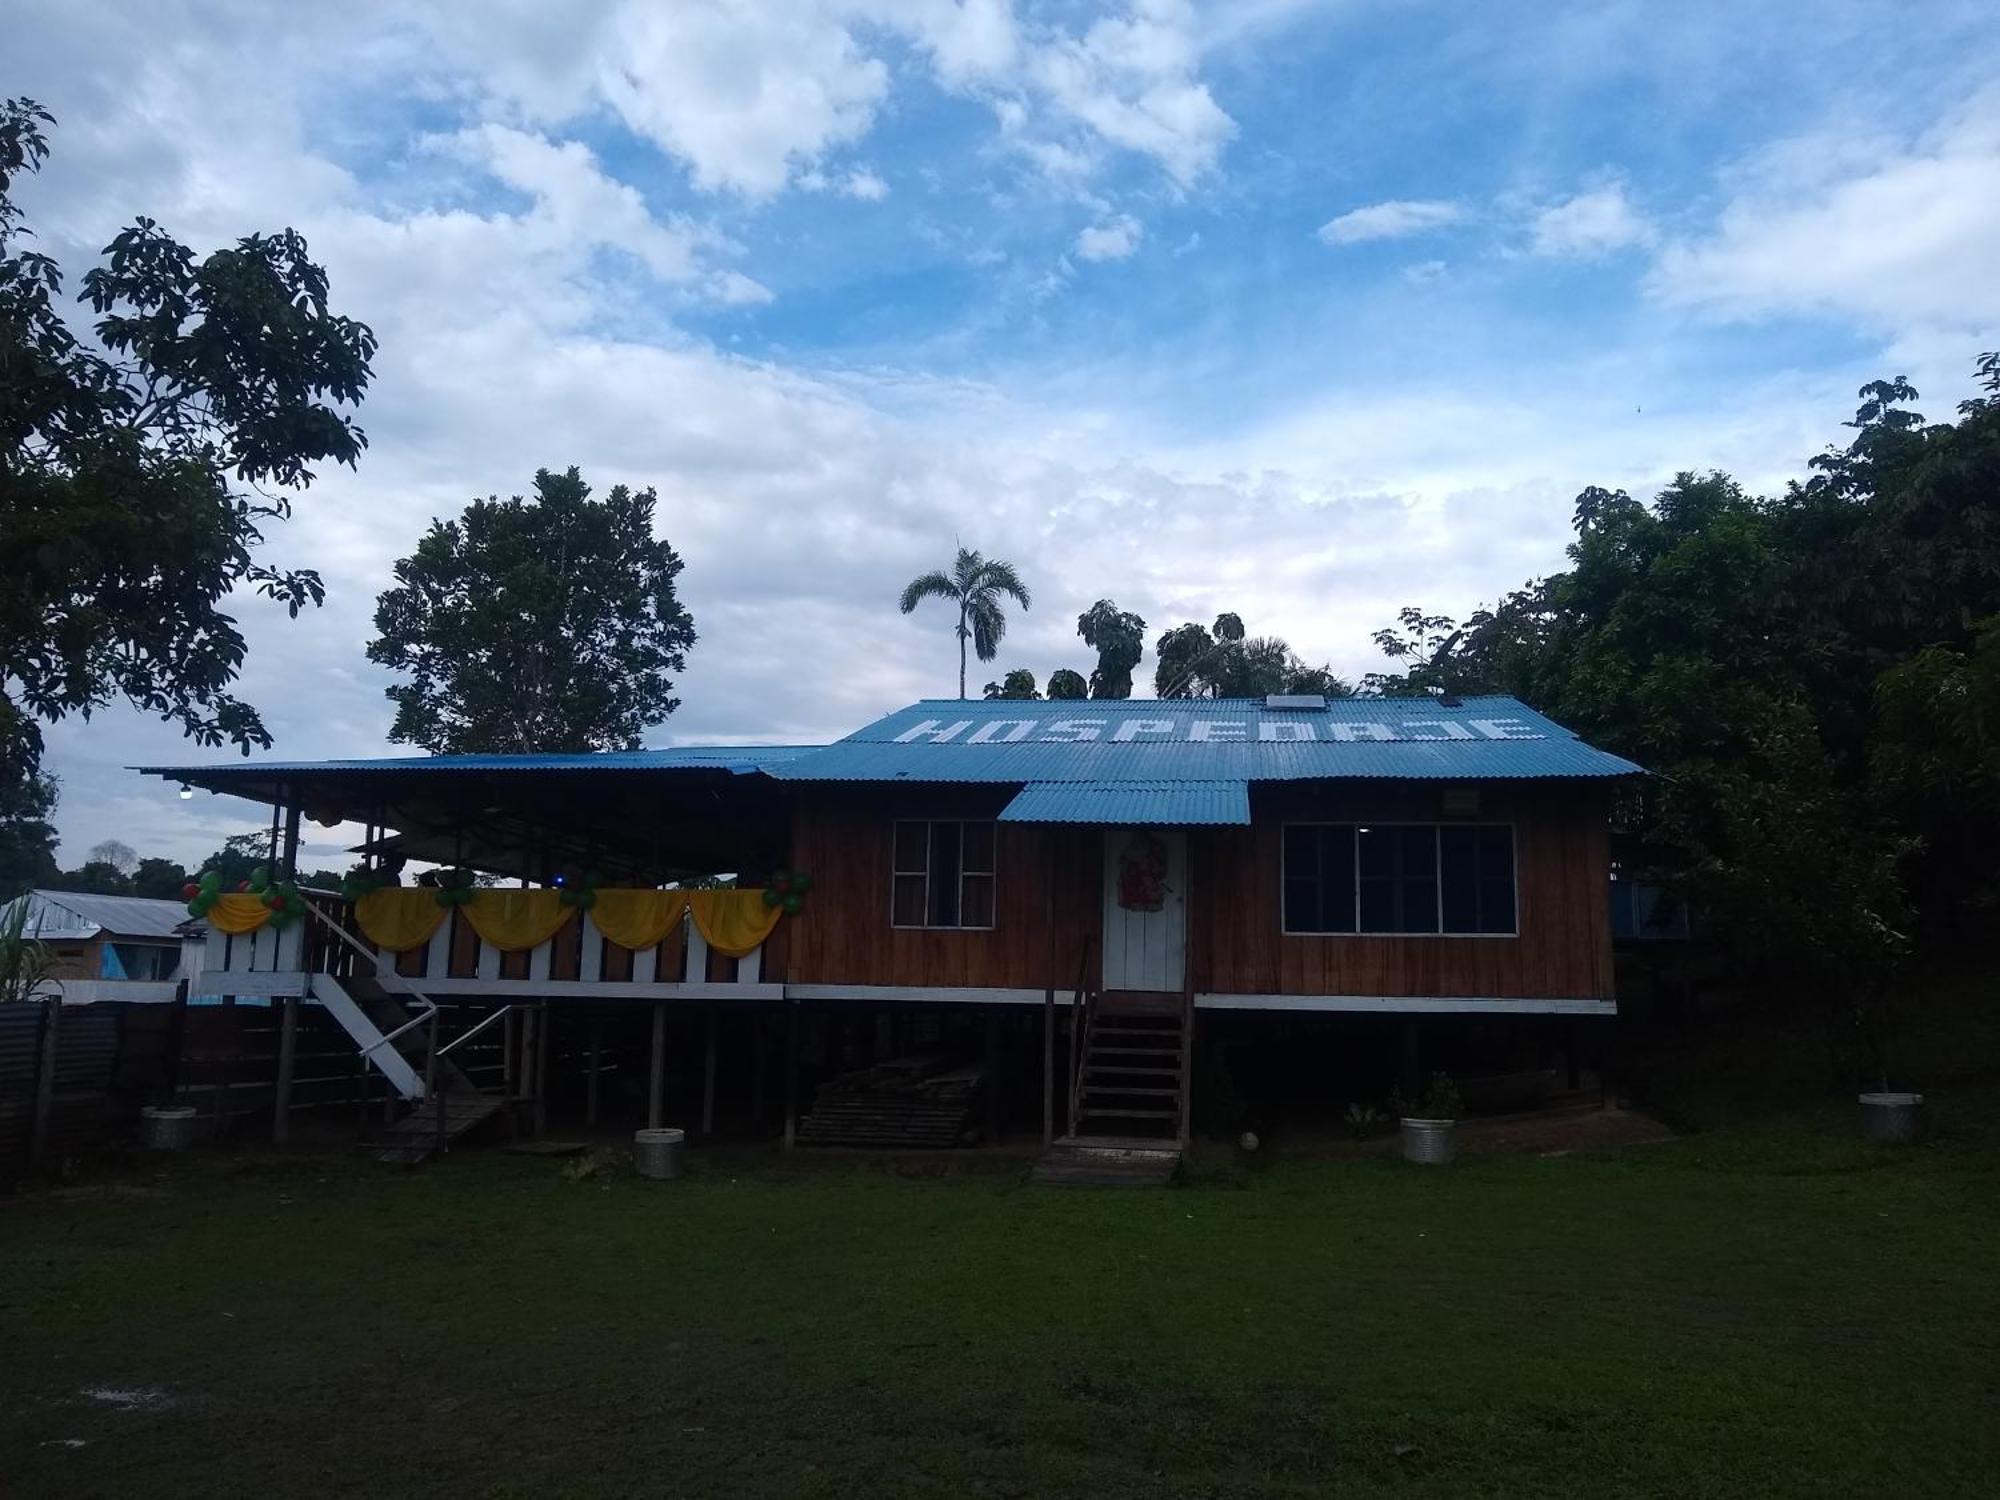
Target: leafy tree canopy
(1223, 661)
(138, 476)
(1119, 639)
(1019, 683)
(548, 622)
(1064, 683)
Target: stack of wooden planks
(922, 1102)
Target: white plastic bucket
(168, 1129)
(1430, 1143)
(1891, 1119)
(657, 1153)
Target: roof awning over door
(1132, 804)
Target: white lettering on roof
(928, 730)
(1020, 730)
(1201, 730)
(1069, 731)
(1216, 729)
(1451, 731)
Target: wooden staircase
(1131, 1078)
(415, 1137)
(1128, 1095)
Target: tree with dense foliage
(548, 623)
(1019, 683)
(27, 837)
(160, 879)
(979, 587)
(1812, 678)
(1119, 639)
(139, 472)
(1222, 661)
(1067, 684)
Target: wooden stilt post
(544, 1035)
(1413, 1075)
(791, 1073)
(1049, 998)
(708, 1079)
(288, 1047)
(656, 1078)
(596, 1063)
(45, 1084)
(990, 1061)
(759, 1037)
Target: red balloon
(244, 886)
(782, 881)
(190, 891)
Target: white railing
(268, 963)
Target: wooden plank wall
(842, 838)
(1562, 857)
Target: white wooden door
(1145, 909)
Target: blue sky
(1308, 310)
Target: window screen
(1398, 878)
(943, 873)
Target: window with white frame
(943, 873)
(1448, 879)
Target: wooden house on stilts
(1072, 905)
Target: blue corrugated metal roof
(742, 759)
(1181, 740)
(1130, 804)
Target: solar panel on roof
(1295, 700)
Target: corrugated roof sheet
(74, 914)
(1182, 740)
(1130, 804)
(741, 759)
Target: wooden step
(1096, 1050)
(1133, 1114)
(1135, 1068)
(1087, 1162)
(1126, 1090)
(414, 1137)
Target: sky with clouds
(1306, 310)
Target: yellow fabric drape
(734, 922)
(399, 918)
(514, 921)
(638, 919)
(238, 912)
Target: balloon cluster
(788, 889)
(454, 887)
(203, 893)
(358, 882)
(582, 894)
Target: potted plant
(1430, 1125)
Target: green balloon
(801, 882)
(771, 897)
(793, 903)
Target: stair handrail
(1080, 1002)
(429, 1013)
(472, 1031)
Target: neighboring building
(1426, 857)
(110, 947)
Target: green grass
(1768, 1311)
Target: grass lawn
(1768, 1310)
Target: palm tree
(977, 587)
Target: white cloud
(1891, 233)
(1591, 224)
(862, 183)
(753, 95)
(1395, 219)
(1115, 239)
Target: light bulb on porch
(187, 792)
